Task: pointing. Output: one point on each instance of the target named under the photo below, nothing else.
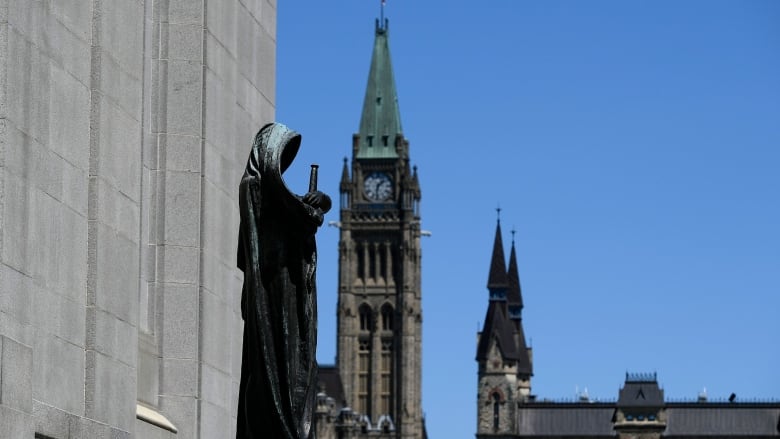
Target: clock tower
(379, 306)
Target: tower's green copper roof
(381, 120)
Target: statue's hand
(318, 200)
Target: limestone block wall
(124, 130)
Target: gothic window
(364, 373)
(366, 319)
(386, 378)
(496, 402)
(387, 317)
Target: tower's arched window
(496, 402)
(366, 323)
(387, 317)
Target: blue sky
(635, 148)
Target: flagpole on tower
(382, 12)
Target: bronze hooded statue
(277, 253)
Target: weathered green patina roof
(381, 119)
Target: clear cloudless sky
(635, 148)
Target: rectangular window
(364, 383)
(386, 379)
(383, 264)
(372, 263)
(361, 266)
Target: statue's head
(281, 144)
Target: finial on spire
(498, 213)
(513, 235)
(381, 24)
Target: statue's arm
(249, 209)
(318, 200)
(314, 205)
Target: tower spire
(345, 173)
(497, 278)
(380, 121)
(514, 295)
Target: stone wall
(497, 376)
(124, 129)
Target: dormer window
(370, 140)
(384, 140)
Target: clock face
(378, 186)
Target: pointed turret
(514, 295)
(514, 308)
(345, 181)
(497, 279)
(380, 123)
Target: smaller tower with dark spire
(514, 302)
(504, 374)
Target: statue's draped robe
(277, 253)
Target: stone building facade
(124, 129)
(374, 390)
(507, 409)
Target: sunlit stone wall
(124, 129)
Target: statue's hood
(278, 147)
